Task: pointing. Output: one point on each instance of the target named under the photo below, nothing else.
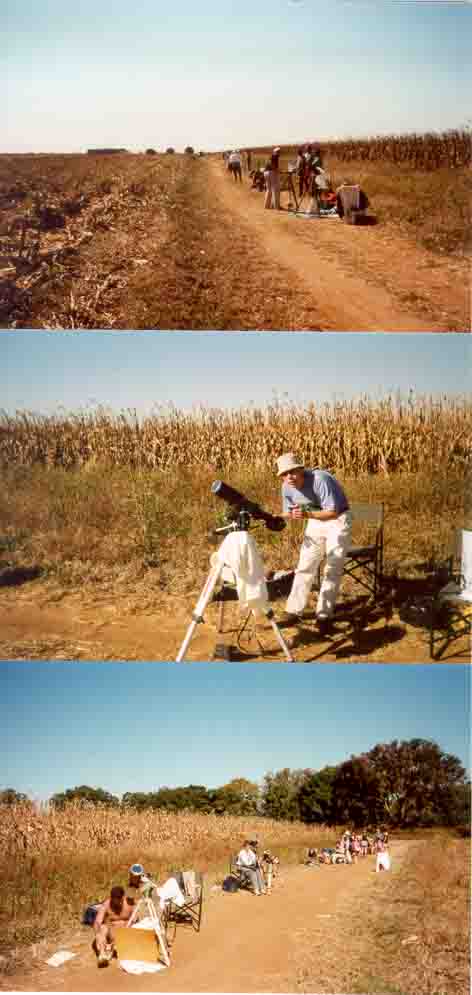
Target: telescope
(243, 509)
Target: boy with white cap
(315, 495)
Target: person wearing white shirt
(248, 864)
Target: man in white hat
(317, 497)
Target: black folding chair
(191, 912)
(364, 563)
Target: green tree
(11, 797)
(355, 797)
(315, 796)
(84, 793)
(408, 783)
(280, 793)
(238, 797)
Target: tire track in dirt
(360, 279)
(244, 945)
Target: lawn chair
(451, 612)
(237, 872)
(364, 563)
(191, 912)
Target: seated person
(137, 882)
(116, 910)
(248, 864)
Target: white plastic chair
(451, 614)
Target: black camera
(243, 509)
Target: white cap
(288, 462)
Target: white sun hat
(288, 462)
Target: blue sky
(40, 371)
(218, 73)
(64, 724)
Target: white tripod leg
(159, 930)
(278, 635)
(197, 614)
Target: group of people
(119, 908)
(256, 871)
(350, 847)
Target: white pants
(383, 860)
(334, 538)
(272, 197)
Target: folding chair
(364, 563)
(236, 872)
(191, 912)
(451, 612)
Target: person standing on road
(235, 165)
(317, 497)
(272, 199)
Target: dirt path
(39, 622)
(173, 243)
(244, 945)
(360, 279)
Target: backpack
(231, 884)
(90, 914)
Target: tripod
(146, 904)
(215, 575)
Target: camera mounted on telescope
(241, 510)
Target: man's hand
(298, 512)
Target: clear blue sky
(219, 73)
(40, 371)
(64, 724)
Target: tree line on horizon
(399, 784)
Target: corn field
(434, 150)
(357, 437)
(32, 831)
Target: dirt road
(360, 279)
(176, 244)
(39, 621)
(244, 945)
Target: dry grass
(53, 863)
(407, 933)
(97, 497)
(427, 150)
(131, 241)
(357, 437)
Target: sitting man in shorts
(116, 910)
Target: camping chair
(364, 563)
(236, 872)
(451, 612)
(189, 913)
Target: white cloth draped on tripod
(239, 552)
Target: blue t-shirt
(319, 489)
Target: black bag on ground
(231, 884)
(90, 914)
